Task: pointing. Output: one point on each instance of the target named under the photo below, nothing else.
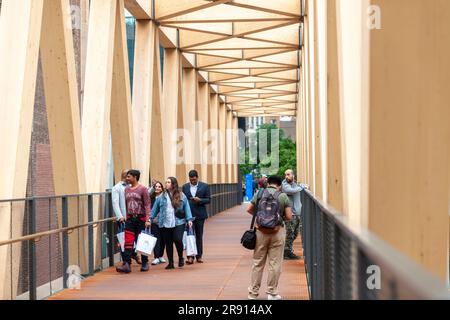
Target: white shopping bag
(191, 244)
(184, 240)
(121, 237)
(145, 243)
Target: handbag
(184, 240)
(146, 243)
(121, 236)
(248, 239)
(191, 243)
(179, 212)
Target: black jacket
(198, 209)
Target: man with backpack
(272, 208)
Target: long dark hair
(175, 192)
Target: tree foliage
(267, 164)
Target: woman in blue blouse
(173, 211)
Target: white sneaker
(156, 262)
(274, 297)
(162, 260)
(252, 296)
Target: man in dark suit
(199, 196)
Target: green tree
(286, 147)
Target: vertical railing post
(91, 234)
(319, 252)
(32, 250)
(65, 238)
(313, 250)
(308, 253)
(110, 228)
(214, 200)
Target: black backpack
(268, 214)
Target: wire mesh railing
(52, 239)
(347, 263)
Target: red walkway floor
(225, 275)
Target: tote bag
(146, 243)
(121, 236)
(191, 243)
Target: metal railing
(49, 235)
(344, 262)
(223, 197)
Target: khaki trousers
(269, 247)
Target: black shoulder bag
(248, 240)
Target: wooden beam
(63, 116)
(229, 146)
(207, 61)
(214, 137)
(183, 143)
(409, 135)
(189, 38)
(314, 45)
(222, 13)
(97, 93)
(140, 9)
(19, 51)
(284, 7)
(84, 28)
(192, 141)
(144, 79)
(96, 127)
(168, 37)
(222, 142)
(240, 44)
(202, 129)
(235, 153)
(286, 35)
(122, 132)
(157, 165)
(170, 9)
(172, 113)
(218, 28)
(334, 155)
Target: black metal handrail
(80, 208)
(345, 262)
